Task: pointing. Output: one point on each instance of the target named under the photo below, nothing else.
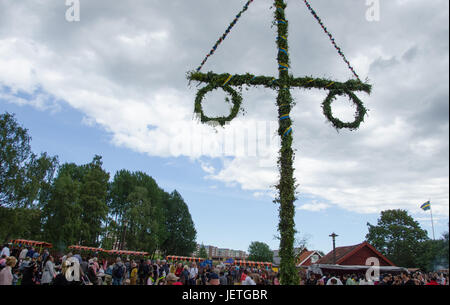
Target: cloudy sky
(114, 84)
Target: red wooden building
(355, 255)
(307, 258)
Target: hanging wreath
(360, 110)
(236, 100)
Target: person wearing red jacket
(432, 282)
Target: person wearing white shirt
(248, 280)
(23, 254)
(334, 281)
(193, 273)
(5, 251)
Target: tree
(398, 236)
(260, 252)
(22, 173)
(92, 199)
(202, 253)
(131, 196)
(142, 230)
(180, 228)
(62, 213)
(433, 254)
(76, 208)
(20, 223)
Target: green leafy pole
(283, 84)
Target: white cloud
(123, 66)
(314, 207)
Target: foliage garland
(287, 184)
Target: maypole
(283, 85)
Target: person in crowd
(29, 270)
(30, 252)
(214, 279)
(407, 281)
(49, 272)
(333, 281)
(366, 282)
(223, 279)
(23, 254)
(108, 274)
(118, 272)
(247, 279)
(5, 251)
(84, 265)
(143, 271)
(6, 275)
(312, 280)
(179, 269)
(134, 274)
(276, 279)
(433, 281)
(60, 279)
(92, 273)
(172, 279)
(184, 277)
(193, 274)
(128, 268)
(166, 267)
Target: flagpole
(432, 223)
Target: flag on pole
(426, 206)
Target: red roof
(304, 257)
(344, 254)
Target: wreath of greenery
(236, 100)
(361, 111)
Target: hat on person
(214, 279)
(171, 277)
(36, 255)
(213, 276)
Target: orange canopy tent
(111, 252)
(184, 258)
(41, 244)
(252, 264)
(123, 252)
(86, 249)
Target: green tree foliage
(93, 194)
(260, 252)
(22, 173)
(81, 206)
(62, 213)
(136, 199)
(20, 223)
(202, 253)
(142, 231)
(76, 208)
(433, 254)
(179, 225)
(398, 236)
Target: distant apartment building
(220, 253)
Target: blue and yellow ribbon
(228, 80)
(284, 51)
(288, 131)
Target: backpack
(118, 271)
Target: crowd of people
(26, 266)
(402, 279)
